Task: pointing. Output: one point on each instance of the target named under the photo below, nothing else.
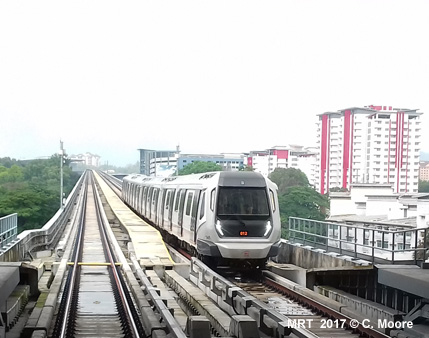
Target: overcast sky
(213, 76)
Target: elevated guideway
(147, 251)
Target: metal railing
(41, 239)
(376, 243)
(8, 229)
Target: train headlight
(268, 228)
(219, 227)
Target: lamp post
(177, 159)
(61, 173)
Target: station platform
(408, 278)
(148, 244)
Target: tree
(423, 186)
(297, 198)
(246, 168)
(199, 167)
(286, 178)
(32, 189)
(304, 202)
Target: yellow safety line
(93, 264)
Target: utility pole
(61, 174)
(177, 159)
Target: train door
(175, 213)
(144, 201)
(139, 199)
(170, 212)
(154, 204)
(166, 208)
(181, 206)
(124, 190)
(190, 213)
(148, 201)
(134, 196)
(186, 222)
(161, 201)
(201, 212)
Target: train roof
(226, 178)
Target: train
(222, 217)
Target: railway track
(95, 301)
(284, 311)
(113, 182)
(300, 314)
(278, 310)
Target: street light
(61, 174)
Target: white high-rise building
(374, 144)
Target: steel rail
(113, 182)
(112, 261)
(367, 331)
(71, 281)
(64, 322)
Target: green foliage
(9, 162)
(246, 168)
(303, 202)
(286, 178)
(32, 189)
(297, 198)
(423, 186)
(199, 167)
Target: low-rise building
(424, 171)
(380, 202)
(168, 162)
(87, 159)
(292, 156)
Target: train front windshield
(251, 203)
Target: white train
(218, 215)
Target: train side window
(176, 204)
(212, 199)
(189, 203)
(203, 205)
(273, 201)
